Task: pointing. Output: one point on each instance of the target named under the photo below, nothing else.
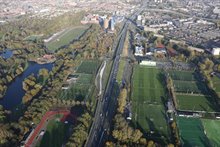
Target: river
(13, 96)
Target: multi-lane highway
(107, 104)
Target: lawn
(182, 75)
(148, 95)
(191, 132)
(55, 135)
(88, 67)
(33, 37)
(195, 102)
(121, 70)
(212, 128)
(66, 37)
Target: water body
(15, 92)
(6, 54)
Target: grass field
(148, 95)
(55, 135)
(88, 67)
(83, 87)
(195, 102)
(182, 75)
(191, 132)
(66, 37)
(212, 128)
(33, 37)
(78, 90)
(190, 87)
(120, 70)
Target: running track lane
(48, 115)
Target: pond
(14, 94)
(6, 54)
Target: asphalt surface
(107, 103)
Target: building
(139, 51)
(139, 17)
(148, 63)
(216, 51)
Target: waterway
(13, 96)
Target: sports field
(190, 87)
(66, 37)
(83, 87)
(212, 128)
(150, 118)
(147, 85)
(195, 102)
(148, 95)
(192, 133)
(55, 135)
(182, 75)
(88, 67)
(78, 90)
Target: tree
(122, 100)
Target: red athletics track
(47, 116)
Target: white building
(148, 63)
(216, 51)
(139, 51)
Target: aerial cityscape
(101, 73)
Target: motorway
(107, 103)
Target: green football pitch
(56, 133)
(191, 132)
(212, 128)
(148, 95)
(182, 75)
(195, 103)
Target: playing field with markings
(182, 75)
(55, 134)
(88, 67)
(147, 85)
(195, 102)
(192, 94)
(65, 37)
(212, 128)
(148, 95)
(192, 133)
(84, 84)
(190, 87)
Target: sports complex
(191, 96)
(81, 81)
(191, 93)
